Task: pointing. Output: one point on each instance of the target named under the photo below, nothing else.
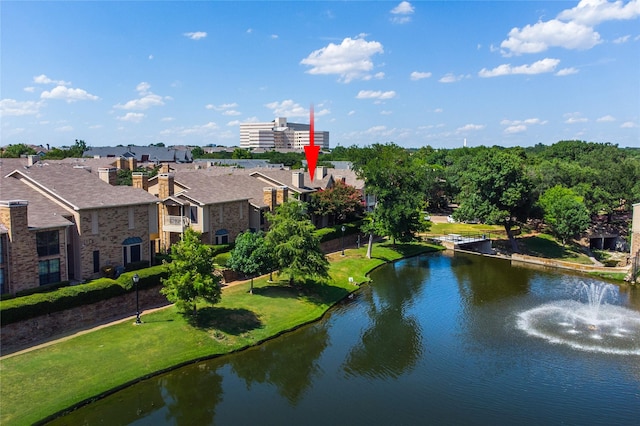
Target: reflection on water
(431, 339)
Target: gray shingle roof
(80, 189)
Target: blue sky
(415, 73)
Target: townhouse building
(61, 222)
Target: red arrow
(311, 151)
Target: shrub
(31, 306)
(221, 259)
(333, 232)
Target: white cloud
(386, 112)
(538, 67)
(519, 126)
(628, 125)
(402, 13)
(622, 39)
(29, 89)
(11, 107)
(274, 36)
(574, 118)
(150, 57)
(554, 33)
(571, 29)
(606, 119)
(195, 35)
(350, 113)
(68, 94)
(288, 108)
(350, 60)
(438, 110)
(198, 130)
(417, 75)
(370, 94)
(567, 71)
(64, 129)
(221, 107)
(43, 79)
(167, 119)
(470, 127)
(146, 100)
(593, 12)
(451, 78)
(133, 117)
(231, 112)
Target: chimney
(282, 194)
(341, 179)
(298, 179)
(165, 185)
(164, 168)
(31, 160)
(133, 163)
(140, 180)
(22, 246)
(121, 163)
(269, 197)
(321, 172)
(108, 174)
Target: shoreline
(337, 276)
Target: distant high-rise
(278, 134)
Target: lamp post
(136, 278)
(343, 228)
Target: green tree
(240, 153)
(495, 189)
(15, 151)
(341, 203)
(294, 245)
(397, 181)
(197, 152)
(251, 256)
(191, 276)
(564, 212)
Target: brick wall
(113, 229)
(635, 230)
(233, 216)
(47, 327)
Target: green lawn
(544, 245)
(463, 228)
(42, 382)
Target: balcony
(175, 223)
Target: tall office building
(278, 134)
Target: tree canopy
(564, 212)
(294, 245)
(191, 277)
(495, 190)
(341, 203)
(251, 255)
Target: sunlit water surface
(436, 339)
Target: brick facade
(114, 226)
(21, 271)
(232, 216)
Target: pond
(437, 339)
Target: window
(47, 243)
(193, 210)
(95, 229)
(49, 271)
(2, 287)
(131, 218)
(131, 250)
(96, 261)
(221, 237)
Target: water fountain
(591, 323)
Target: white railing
(175, 223)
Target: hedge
(34, 305)
(333, 232)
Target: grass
(463, 228)
(45, 381)
(544, 245)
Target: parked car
(450, 219)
